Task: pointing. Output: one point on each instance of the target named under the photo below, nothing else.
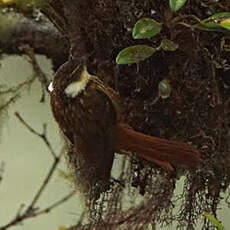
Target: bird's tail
(158, 150)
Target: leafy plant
(219, 22)
(135, 54)
(144, 28)
(175, 5)
(168, 45)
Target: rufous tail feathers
(163, 152)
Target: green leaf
(164, 88)
(219, 22)
(146, 28)
(168, 45)
(225, 23)
(175, 5)
(213, 220)
(134, 54)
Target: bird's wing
(96, 132)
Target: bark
(17, 30)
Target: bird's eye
(50, 87)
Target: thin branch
(178, 19)
(11, 100)
(42, 188)
(37, 70)
(41, 135)
(17, 88)
(15, 91)
(54, 205)
(31, 210)
(35, 212)
(227, 200)
(2, 169)
(39, 73)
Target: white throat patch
(75, 88)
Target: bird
(89, 114)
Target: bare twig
(15, 91)
(17, 88)
(41, 135)
(54, 205)
(11, 100)
(178, 19)
(227, 200)
(2, 169)
(42, 188)
(35, 212)
(32, 210)
(41, 76)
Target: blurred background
(27, 160)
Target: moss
(196, 112)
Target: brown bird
(88, 113)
